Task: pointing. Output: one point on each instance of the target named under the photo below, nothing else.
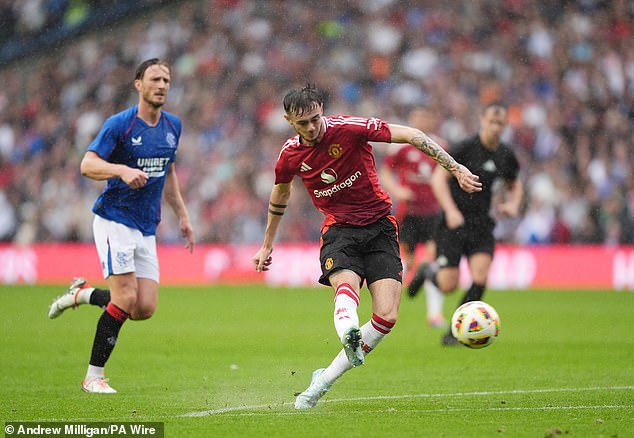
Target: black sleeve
(511, 168)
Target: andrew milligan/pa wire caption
(46, 429)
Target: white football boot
(353, 346)
(69, 299)
(309, 398)
(97, 385)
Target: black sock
(100, 297)
(417, 281)
(426, 271)
(474, 293)
(106, 336)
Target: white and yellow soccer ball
(475, 324)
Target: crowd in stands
(565, 68)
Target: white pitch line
(427, 411)
(405, 396)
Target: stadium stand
(566, 70)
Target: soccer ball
(475, 324)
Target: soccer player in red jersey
(359, 237)
(406, 175)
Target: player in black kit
(467, 227)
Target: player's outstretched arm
(468, 182)
(278, 202)
(404, 134)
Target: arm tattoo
(433, 149)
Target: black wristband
(277, 205)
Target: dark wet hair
(140, 70)
(302, 100)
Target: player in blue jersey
(135, 152)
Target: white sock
(83, 296)
(346, 303)
(94, 371)
(435, 299)
(337, 367)
(372, 333)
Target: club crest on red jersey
(335, 150)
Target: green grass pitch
(233, 357)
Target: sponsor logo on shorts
(329, 263)
(347, 183)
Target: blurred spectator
(566, 70)
(8, 221)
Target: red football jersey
(340, 173)
(414, 169)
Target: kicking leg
(386, 296)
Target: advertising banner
(514, 267)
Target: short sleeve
(105, 142)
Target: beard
(153, 102)
(157, 105)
